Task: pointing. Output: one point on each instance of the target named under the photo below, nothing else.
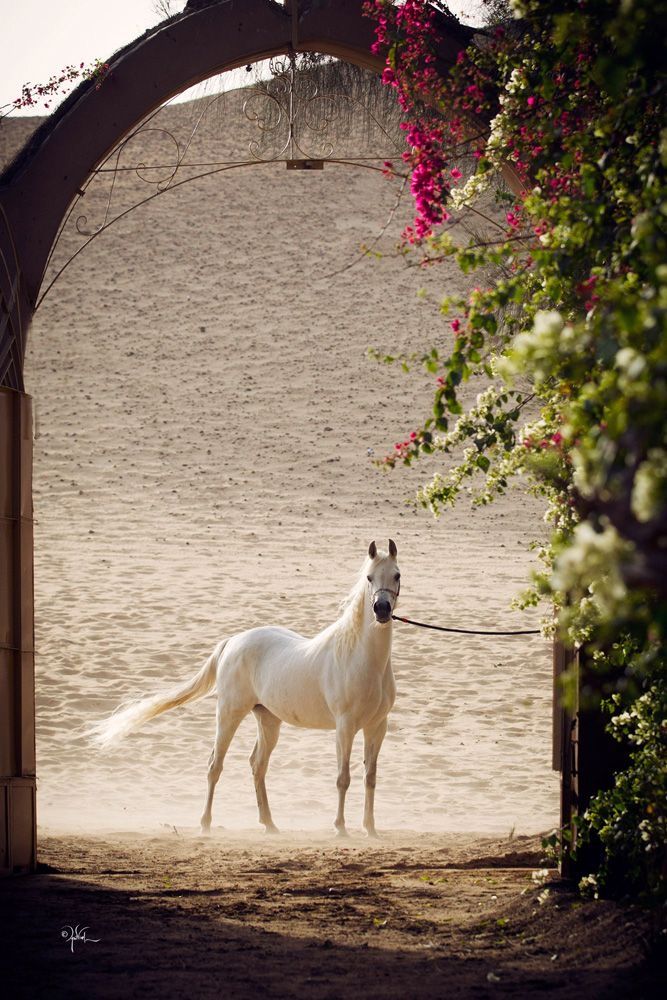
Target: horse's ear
(372, 550)
(393, 551)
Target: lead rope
(463, 631)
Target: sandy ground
(415, 916)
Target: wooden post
(599, 756)
(564, 754)
(17, 678)
(586, 755)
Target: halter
(386, 590)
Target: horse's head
(384, 579)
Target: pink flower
(531, 101)
(456, 325)
(456, 173)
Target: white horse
(341, 679)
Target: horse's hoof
(341, 832)
(271, 828)
(372, 834)
(205, 830)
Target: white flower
(516, 81)
(630, 362)
(486, 398)
(645, 831)
(547, 323)
(588, 886)
(472, 189)
(537, 352)
(540, 876)
(592, 564)
(650, 486)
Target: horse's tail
(129, 718)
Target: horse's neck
(373, 642)
(378, 642)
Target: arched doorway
(260, 29)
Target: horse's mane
(350, 620)
(347, 628)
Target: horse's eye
(397, 577)
(370, 580)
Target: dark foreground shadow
(151, 947)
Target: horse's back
(265, 639)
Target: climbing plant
(43, 95)
(570, 335)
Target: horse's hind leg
(268, 731)
(227, 724)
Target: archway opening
(205, 410)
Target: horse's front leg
(345, 732)
(373, 737)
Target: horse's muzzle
(382, 611)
